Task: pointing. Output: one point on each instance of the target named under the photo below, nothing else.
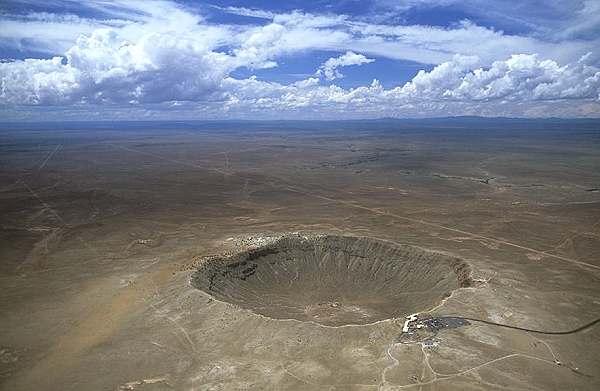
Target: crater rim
(331, 280)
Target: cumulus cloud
(160, 52)
(460, 85)
(103, 68)
(442, 78)
(521, 77)
(329, 68)
(39, 82)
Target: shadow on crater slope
(333, 280)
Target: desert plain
(105, 224)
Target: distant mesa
(333, 280)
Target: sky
(298, 59)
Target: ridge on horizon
(363, 120)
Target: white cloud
(260, 46)
(585, 23)
(45, 33)
(457, 86)
(150, 52)
(444, 77)
(55, 33)
(329, 68)
(103, 68)
(297, 32)
(521, 77)
(38, 82)
(253, 13)
(548, 20)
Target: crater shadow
(333, 280)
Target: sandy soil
(103, 227)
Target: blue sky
(269, 59)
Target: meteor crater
(333, 280)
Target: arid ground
(104, 225)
